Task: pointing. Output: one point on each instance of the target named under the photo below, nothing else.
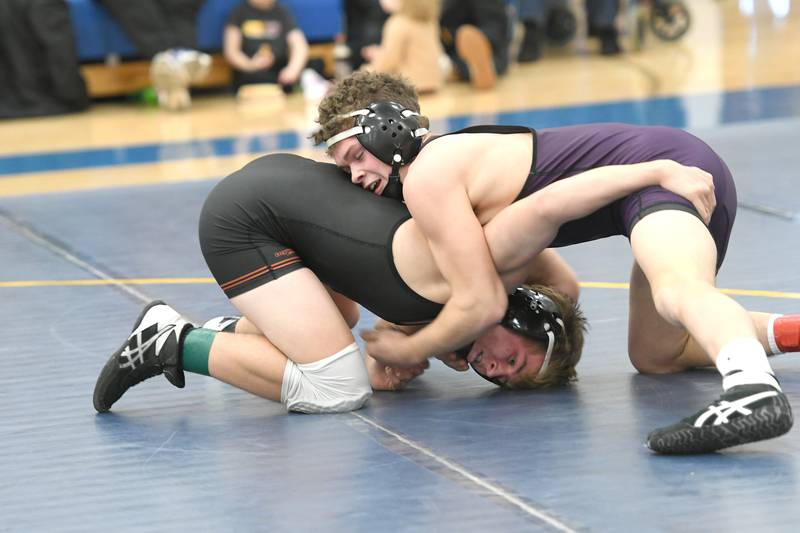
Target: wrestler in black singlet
(283, 212)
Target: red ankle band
(787, 333)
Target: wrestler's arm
(548, 268)
(443, 212)
(515, 236)
(509, 235)
(406, 329)
(450, 359)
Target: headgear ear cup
(533, 314)
(389, 130)
(391, 133)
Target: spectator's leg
(181, 17)
(602, 15)
(475, 50)
(454, 15)
(533, 15)
(491, 17)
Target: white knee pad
(336, 384)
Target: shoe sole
(474, 48)
(764, 423)
(112, 365)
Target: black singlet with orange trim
(283, 212)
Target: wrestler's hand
(382, 377)
(454, 361)
(386, 345)
(694, 184)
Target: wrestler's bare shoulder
(492, 167)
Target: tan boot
(474, 48)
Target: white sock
(744, 362)
(773, 346)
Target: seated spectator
(165, 32)
(476, 35)
(263, 45)
(411, 44)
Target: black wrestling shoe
(744, 413)
(151, 349)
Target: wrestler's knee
(644, 365)
(647, 357)
(666, 296)
(671, 293)
(335, 384)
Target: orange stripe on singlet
(259, 272)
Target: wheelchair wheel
(670, 19)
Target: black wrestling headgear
(534, 315)
(391, 133)
(531, 314)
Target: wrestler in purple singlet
(564, 152)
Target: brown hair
(421, 10)
(357, 91)
(568, 348)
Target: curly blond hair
(357, 91)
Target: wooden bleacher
(111, 65)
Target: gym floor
(98, 215)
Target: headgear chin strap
(531, 314)
(391, 133)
